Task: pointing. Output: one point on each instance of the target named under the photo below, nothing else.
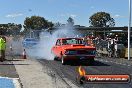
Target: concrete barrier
(102, 52)
(126, 52)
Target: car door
(56, 48)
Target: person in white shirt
(115, 45)
(109, 47)
(112, 47)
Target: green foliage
(101, 19)
(70, 21)
(57, 24)
(37, 23)
(10, 29)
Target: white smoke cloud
(47, 41)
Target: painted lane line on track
(8, 77)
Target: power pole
(129, 29)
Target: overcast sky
(59, 10)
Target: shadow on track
(77, 63)
(95, 63)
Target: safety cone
(24, 54)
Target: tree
(57, 24)
(101, 19)
(36, 23)
(50, 24)
(10, 29)
(70, 21)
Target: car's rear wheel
(63, 61)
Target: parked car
(29, 42)
(73, 49)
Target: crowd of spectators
(113, 44)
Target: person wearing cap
(2, 48)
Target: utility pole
(129, 29)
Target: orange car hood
(77, 46)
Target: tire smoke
(47, 41)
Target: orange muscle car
(73, 49)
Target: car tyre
(55, 58)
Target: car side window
(58, 43)
(64, 42)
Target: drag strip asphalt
(70, 72)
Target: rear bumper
(78, 57)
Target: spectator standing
(109, 47)
(112, 46)
(115, 45)
(2, 48)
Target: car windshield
(72, 41)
